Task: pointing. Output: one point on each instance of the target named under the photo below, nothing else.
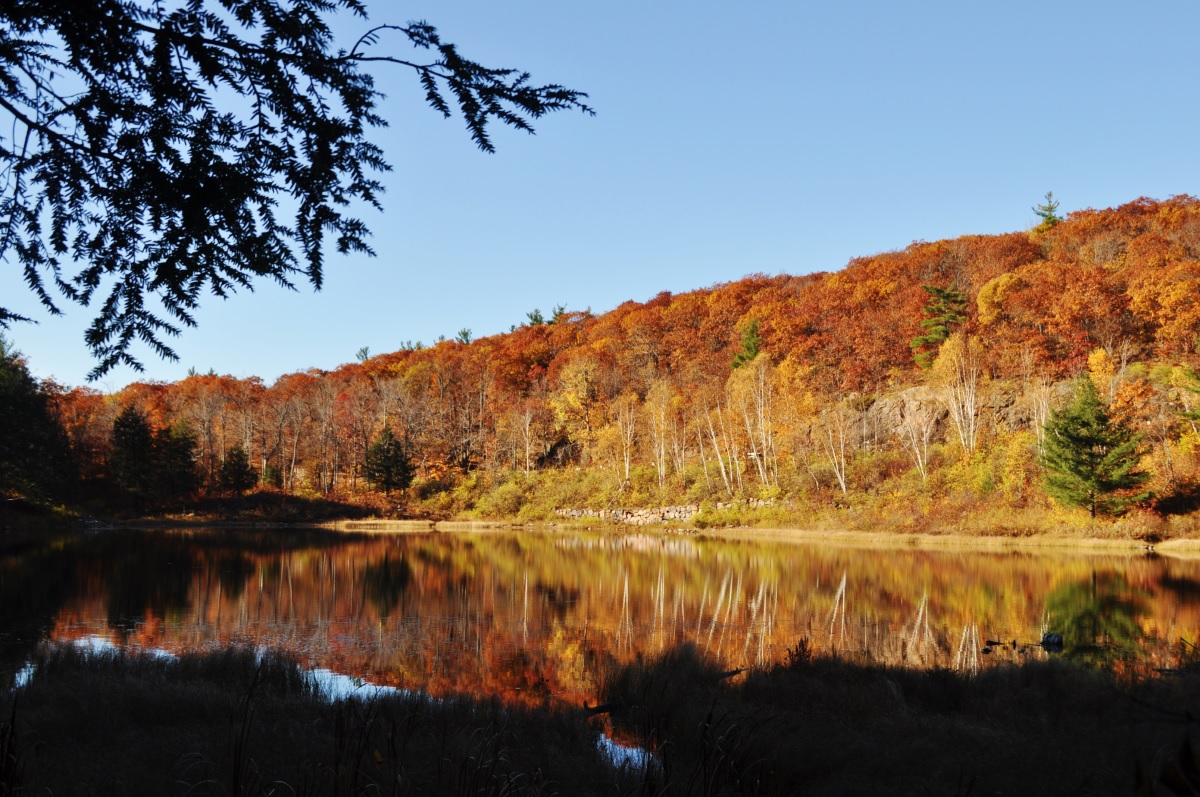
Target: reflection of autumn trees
(526, 616)
(646, 394)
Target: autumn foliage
(642, 404)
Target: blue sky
(729, 139)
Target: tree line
(952, 368)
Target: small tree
(1047, 212)
(175, 463)
(751, 345)
(1090, 459)
(947, 309)
(237, 474)
(387, 464)
(130, 465)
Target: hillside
(642, 406)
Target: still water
(533, 616)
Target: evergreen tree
(35, 456)
(152, 465)
(237, 474)
(174, 462)
(174, 459)
(146, 147)
(751, 345)
(387, 464)
(131, 463)
(1091, 459)
(1191, 383)
(947, 309)
(1047, 212)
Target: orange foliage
(1123, 279)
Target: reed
(234, 723)
(828, 725)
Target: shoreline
(1178, 548)
(1181, 547)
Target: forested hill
(1123, 279)
(646, 401)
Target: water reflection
(535, 617)
(1099, 617)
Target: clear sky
(730, 139)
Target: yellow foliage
(960, 359)
(1103, 372)
(993, 295)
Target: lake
(531, 616)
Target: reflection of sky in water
(338, 686)
(635, 758)
(332, 685)
(23, 676)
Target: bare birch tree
(750, 391)
(958, 375)
(918, 421)
(835, 430)
(659, 411)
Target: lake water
(531, 616)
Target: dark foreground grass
(831, 726)
(229, 724)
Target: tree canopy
(149, 152)
(550, 414)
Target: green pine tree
(387, 464)
(130, 465)
(1192, 385)
(1047, 212)
(36, 461)
(751, 345)
(175, 463)
(237, 474)
(946, 310)
(152, 465)
(1090, 459)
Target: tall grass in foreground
(231, 724)
(825, 725)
